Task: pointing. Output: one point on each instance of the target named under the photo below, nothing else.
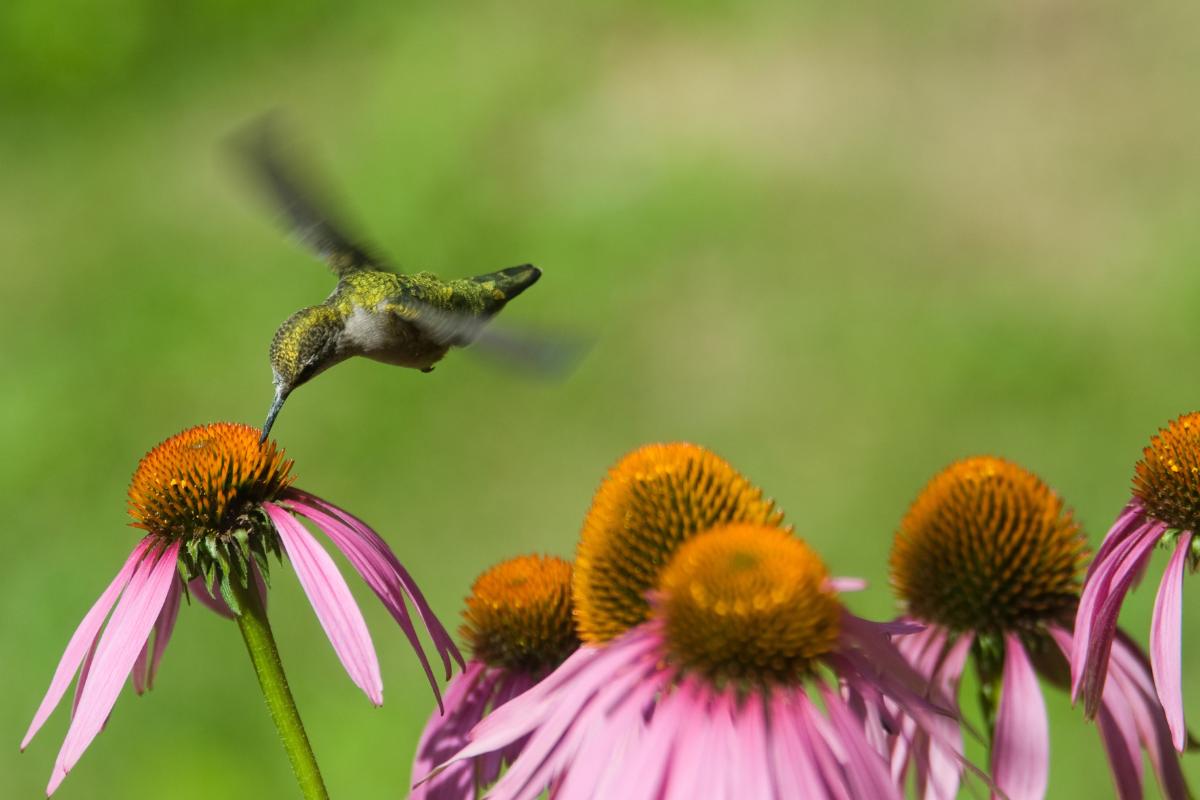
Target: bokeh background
(839, 245)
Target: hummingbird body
(374, 311)
(392, 318)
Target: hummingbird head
(304, 346)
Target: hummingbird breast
(384, 336)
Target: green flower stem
(264, 655)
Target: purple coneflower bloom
(519, 627)
(1164, 509)
(214, 503)
(713, 695)
(987, 558)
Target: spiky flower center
(987, 546)
(1167, 479)
(518, 615)
(652, 501)
(205, 481)
(748, 604)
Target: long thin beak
(280, 396)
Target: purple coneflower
(519, 627)
(988, 559)
(214, 503)
(708, 632)
(1164, 509)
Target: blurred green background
(840, 246)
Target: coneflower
(988, 560)
(1164, 510)
(708, 631)
(214, 504)
(518, 627)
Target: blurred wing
(288, 187)
(545, 355)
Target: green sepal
(228, 595)
(264, 566)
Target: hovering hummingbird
(406, 320)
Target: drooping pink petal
(378, 570)
(867, 771)
(210, 599)
(83, 640)
(1121, 539)
(332, 601)
(607, 744)
(1127, 523)
(467, 696)
(1021, 749)
(1111, 584)
(648, 768)
(137, 675)
(1118, 733)
(568, 733)
(83, 675)
(1118, 728)
(488, 766)
(134, 616)
(442, 640)
(1165, 635)
(940, 767)
(819, 749)
(1131, 672)
(847, 584)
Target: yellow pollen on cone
(201, 480)
(653, 500)
(988, 546)
(518, 614)
(748, 603)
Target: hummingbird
(408, 320)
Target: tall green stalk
(264, 655)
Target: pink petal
(648, 768)
(212, 600)
(331, 599)
(1021, 749)
(138, 674)
(1118, 728)
(1131, 672)
(1128, 522)
(1118, 733)
(82, 640)
(1120, 540)
(939, 777)
(83, 675)
(380, 573)
(1112, 582)
(442, 640)
(131, 622)
(467, 696)
(1165, 635)
(867, 771)
(818, 749)
(847, 584)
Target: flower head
(988, 546)
(751, 605)
(988, 559)
(214, 504)
(652, 500)
(707, 687)
(518, 627)
(1164, 509)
